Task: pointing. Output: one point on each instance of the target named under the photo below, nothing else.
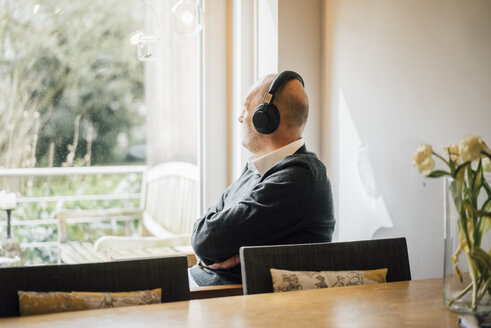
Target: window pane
(91, 84)
(72, 86)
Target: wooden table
(400, 304)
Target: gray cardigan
(290, 204)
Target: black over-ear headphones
(266, 117)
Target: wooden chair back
(168, 273)
(171, 199)
(256, 261)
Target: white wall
(287, 35)
(299, 49)
(400, 72)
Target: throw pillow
(285, 280)
(51, 302)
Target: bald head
(290, 99)
(293, 105)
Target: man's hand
(227, 264)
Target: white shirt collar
(264, 163)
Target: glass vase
(466, 288)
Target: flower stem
(440, 157)
(484, 290)
(462, 293)
(472, 272)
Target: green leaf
(451, 164)
(478, 177)
(437, 174)
(460, 167)
(485, 226)
(472, 210)
(487, 187)
(486, 205)
(470, 178)
(481, 256)
(459, 178)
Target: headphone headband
(279, 80)
(266, 117)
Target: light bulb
(187, 17)
(147, 47)
(147, 37)
(147, 44)
(134, 37)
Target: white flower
(470, 148)
(423, 160)
(422, 153)
(486, 164)
(485, 147)
(453, 149)
(427, 166)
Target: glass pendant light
(147, 37)
(187, 17)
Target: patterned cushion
(284, 280)
(50, 302)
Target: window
(92, 94)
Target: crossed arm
(273, 209)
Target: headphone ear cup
(274, 115)
(266, 118)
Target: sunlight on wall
(362, 208)
(267, 37)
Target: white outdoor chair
(169, 208)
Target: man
(282, 197)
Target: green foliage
(467, 163)
(70, 59)
(72, 186)
(474, 222)
(437, 174)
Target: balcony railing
(42, 191)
